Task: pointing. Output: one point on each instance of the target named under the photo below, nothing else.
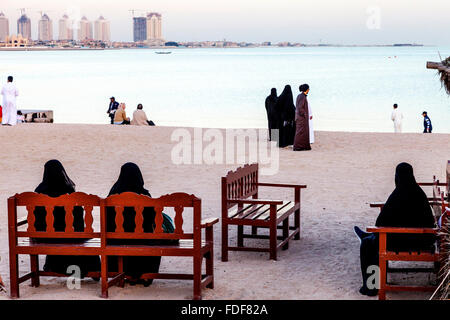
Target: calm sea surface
(352, 89)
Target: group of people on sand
(407, 206)
(290, 124)
(116, 111)
(56, 182)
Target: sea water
(352, 88)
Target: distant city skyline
(323, 21)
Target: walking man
(9, 92)
(397, 117)
(427, 126)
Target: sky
(319, 21)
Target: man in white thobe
(311, 129)
(9, 92)
(397, 117)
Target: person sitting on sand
(120, 117)
(56, 183)
(406, 207)
(131, 180)
(140, 118)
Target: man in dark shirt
(113, 105)
(427, 127)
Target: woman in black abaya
(55, 183)
(406, 207)
(286, 110)
(131, 180)
(272, 115)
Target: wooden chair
(25, 241)
(385, 256)
(242, 207)
(190, 244)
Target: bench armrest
(377, 204)
(206, 223)
(430, 184)
(255, 201)
(282, 185)
(402, 230)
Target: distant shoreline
(40, 48)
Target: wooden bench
(241, 207)
(190, 244)
(33, 243)
(385, 256)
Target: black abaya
(273, 118)
(286, 109)
(131, 180)
(406, 207)
(55, 183)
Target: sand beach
(344, 172)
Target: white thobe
(397, 117)
(311, 129)
(9, 92)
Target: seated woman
(406, 207)
(131, 180)
(120, 117)
(56, 183)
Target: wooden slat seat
(24, 238)
(158, 243)
(433, 255)
(242, 207)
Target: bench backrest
(176, 201)
(31, 201)
(240, 184)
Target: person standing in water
(272, 115)
(302, 118)
(397, 117)
(9, 92)
(427, 126)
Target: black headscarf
(285, 105)
(407, 206)
(55, 181)
(273, 118)
(130, 180)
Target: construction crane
(22, 11)
(41, 12)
